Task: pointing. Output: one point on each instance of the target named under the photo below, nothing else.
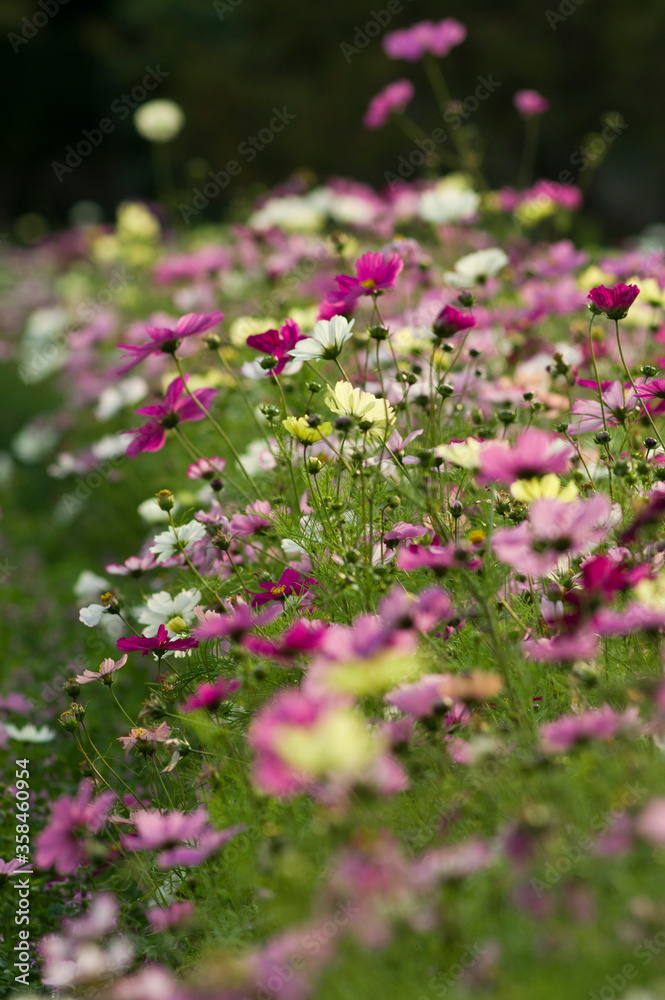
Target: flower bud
(110, 602)
(165, 500)
(71, 687)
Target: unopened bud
(165, 500)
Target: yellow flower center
(368, 283)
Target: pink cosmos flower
(167, 340)
(565, 648)
(534, 454)
(437, 557)
(552, 529)
(164, 918)
(613, 302)
(398, 609)
(145, 740)
(394, 97)
(158, 644)
(277, 343)
(233, 624)
(451, 321)
(651, 822)
(426, 36)
(617, 404)
(530, 103)
(8, 868)
(134, 566)
(174, 410)
(211, 695)
(173, 831)
(654, 392)
(375, 273)
(304, 636)
(206, 468)
(597, 724)
(290, 582)
(61, 842)
(424, 697)
(105, 673)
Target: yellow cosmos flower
(549, 487)
(651, 593)
(463, 453)
(299, 428)
(350, 402)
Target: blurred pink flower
(167, 340)
(61, 842)
(530, 103)
(394, 97)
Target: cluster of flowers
(414, 533)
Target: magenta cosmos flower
(375, 273)
(304, 636)
(426, 36)
(61, 842)
(167, 340)
(174, 410)
(394, 97)
(277, 343)
(530, 103)
(211, 695)
(233, 624)
(451, 321)
(107, 668)
(290, 582)
(534, 454)
(613, 302)
(158, 644)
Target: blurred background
(230, 62)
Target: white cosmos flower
(447, 203)
(166, 543)
(89, 585)
(29, 733)
(162, 608)
(159, 121)
(92, 615)
(476, 267)
(329, 337)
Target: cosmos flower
(61, 842)
(172, 541)
(530, 103)
(158, 644)
(613, 302)
(277, 343)
(451, 321)
(426, 36)
(290, 582)
(394, 97)
(326, 343)
(365, 407)
(175, 409)
(107, 668)
(165, 339)
(475, 268)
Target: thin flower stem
(632, 382)
(224, 436)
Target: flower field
(332, 565)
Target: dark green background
(228, 75)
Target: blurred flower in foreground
(159, 121)
(530, 103)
